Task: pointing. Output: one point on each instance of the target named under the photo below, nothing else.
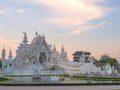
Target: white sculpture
(38, 50)
(108, 68)
(47, 59)
(63, 54)
(54, 78)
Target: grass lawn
(91, 78)
(4, 80)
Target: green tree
(113, 61)
(107, 59)
(104, 59)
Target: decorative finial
(54, 47)
(3, 53)
(44, 37)
(25, 38)
(36, 33)
(62, 48)
(24, 33)
(4, 47)
(10, 53)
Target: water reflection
(43, 79)
(47, 79)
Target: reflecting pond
(54, 79)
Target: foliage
(13, 75)
(5, 80)
(113, 61)
(91, 78)
(104, 59)
(107, 59)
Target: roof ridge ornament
(54, 47)
(25, 38)
(36, 33)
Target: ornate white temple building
(40, 57)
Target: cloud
(105, 23)
(70, 13)
(80, 30)
(87, 27)
(74, 13)
(10, 10)
(21, 11)
(3, 10)
(109, 24)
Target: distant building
(78, 54)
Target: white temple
(40, 57)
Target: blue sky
(78, 24)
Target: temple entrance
(42, 58)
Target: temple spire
(62, 49)
(36, 33)
(25, 38)
(63, 54)
(44, 37)
(3, 53)
(54, 48)
(10, 55)
(3, 57)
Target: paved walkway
(114, 87)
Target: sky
(80, 25)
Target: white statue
(108, 68)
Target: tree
(113, 62)
(104, 60)
(107, 59)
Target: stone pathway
(114, 87)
